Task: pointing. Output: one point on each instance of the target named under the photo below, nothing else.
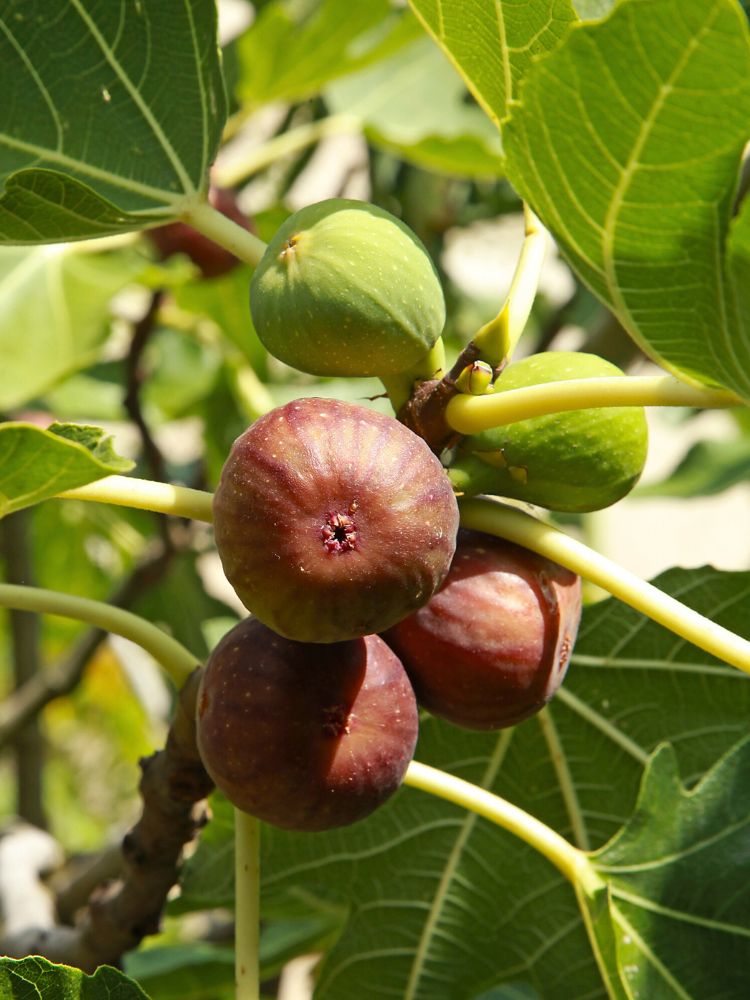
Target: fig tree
(579, 460)
(493, 645)
(333, 521)
(345, 288)
(302, 735)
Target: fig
(302, 735)
(345, 288)
(580, 460)
(333, 521)
(492, 646)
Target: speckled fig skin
(345, 288)
(302, 735)
(493, 645)
(333, 521)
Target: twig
(29, 744)
(142, 331)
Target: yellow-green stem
(228, 234)
(473, 414)
(573, 863)
(163, 498)
(497, 339)
(177, 661)
(233, 169)
(246, 905)
(517, 526)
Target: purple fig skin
(333, 521)
(303, 735)
(493, 645)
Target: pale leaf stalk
(497, 339)
(176, 660)
(496, 518)
(246, 905)
(572, 862)
(144, 494)
(233, 168)
(474, 414)
(228, 234)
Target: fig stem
(497, 339)
(177, 661)
(572, 862)
(163, 498)
(517, 526)
(246, 905)
(217, 227)
(473, 414)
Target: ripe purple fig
(493, 645)
(333, 521)
(305, 736)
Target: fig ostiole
(333, 521)
(578, 460)
(302, 735)
(492, 647)
(345, 288)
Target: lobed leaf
(37, 464)
(117, 139)
(444, 904)
(492, 43)
(626, 141)
(24, 978)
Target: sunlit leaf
(37, 979)
(54, 306)
(626, 141)
(36, 464)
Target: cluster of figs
(338, 528)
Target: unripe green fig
(303, 735)
(491, 648)
(345, 288)
(333, 521)
(578, 460)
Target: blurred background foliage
(327, 98)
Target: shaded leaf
(415, 103)
(36, 464)
(707, 468)
(678, 883)
(54, 305)
(116, 140)
(37, 979)
(493, 44)
(289, 54)
(444, 904)
(627, 141)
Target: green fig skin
(333, 521)
(345, 288)
(305, 736)
(575, 461)
(492, 647)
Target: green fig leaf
(36, 464)
(677, 882)
(54, 307)
(121, 141)
(414, 103)
(707, 468)
(27, 978)
(441, 902)
(626, 141)
(493, 44)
